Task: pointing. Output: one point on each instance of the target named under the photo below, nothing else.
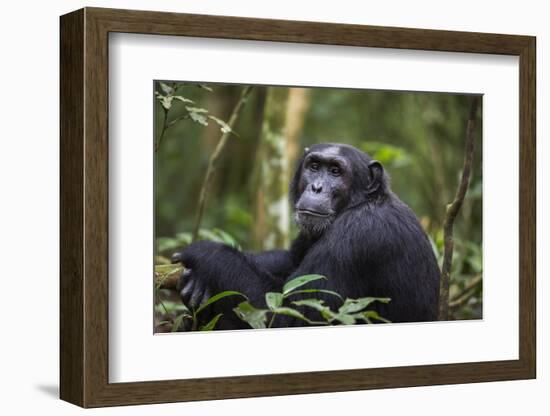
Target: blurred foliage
(419, 137)
(167, 245)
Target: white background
(29, 217)
(131, 202)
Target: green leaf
(205, 87)
(356, 305)
(255, 317)
(166, 243)
(166, 88)
(198, 115)
(273, 299)
(199, 118)
(293, 313)
(212, 324)
(369, 315)
(196, 110)
(300, 281)
(475, 261)
(183, 99)
(178, 321)
(210, 235)
(168, 306)
(219, 236)
(344, 318)
(166, 101)
(184, 238)
(290, 312)
(434, 247)
(217, 297)
(316, 304)
(169, 243)
(475, 191)
(296, 314)
(227, 238)
(330, 292)
(224, 127)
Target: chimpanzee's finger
(207, 313)
(187, 291)
(185, 276)
(176, 257)
(206, 295)
(196, 296)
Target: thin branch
(165, 126)
(453, 209)
(471, 284)
(174, 121)
(469, 290)
(214, 159)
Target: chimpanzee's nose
(316, 187)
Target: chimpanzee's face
(323, 189)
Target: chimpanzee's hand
(195, 283)
(193, 290)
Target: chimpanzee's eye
(335, 170)
(314, 167)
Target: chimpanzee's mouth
(314, 213)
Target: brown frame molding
(84, 207)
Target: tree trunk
(298, 105)
(272, 210)
(283, 121)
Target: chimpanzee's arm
(215, 268)
(278, 263)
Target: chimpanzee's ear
(376, 174)
(295, 181)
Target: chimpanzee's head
(331, 178)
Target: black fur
(372, 245)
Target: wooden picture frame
(84, 207)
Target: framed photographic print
(257, 207)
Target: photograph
(285, 206)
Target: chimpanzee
(353, 229)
